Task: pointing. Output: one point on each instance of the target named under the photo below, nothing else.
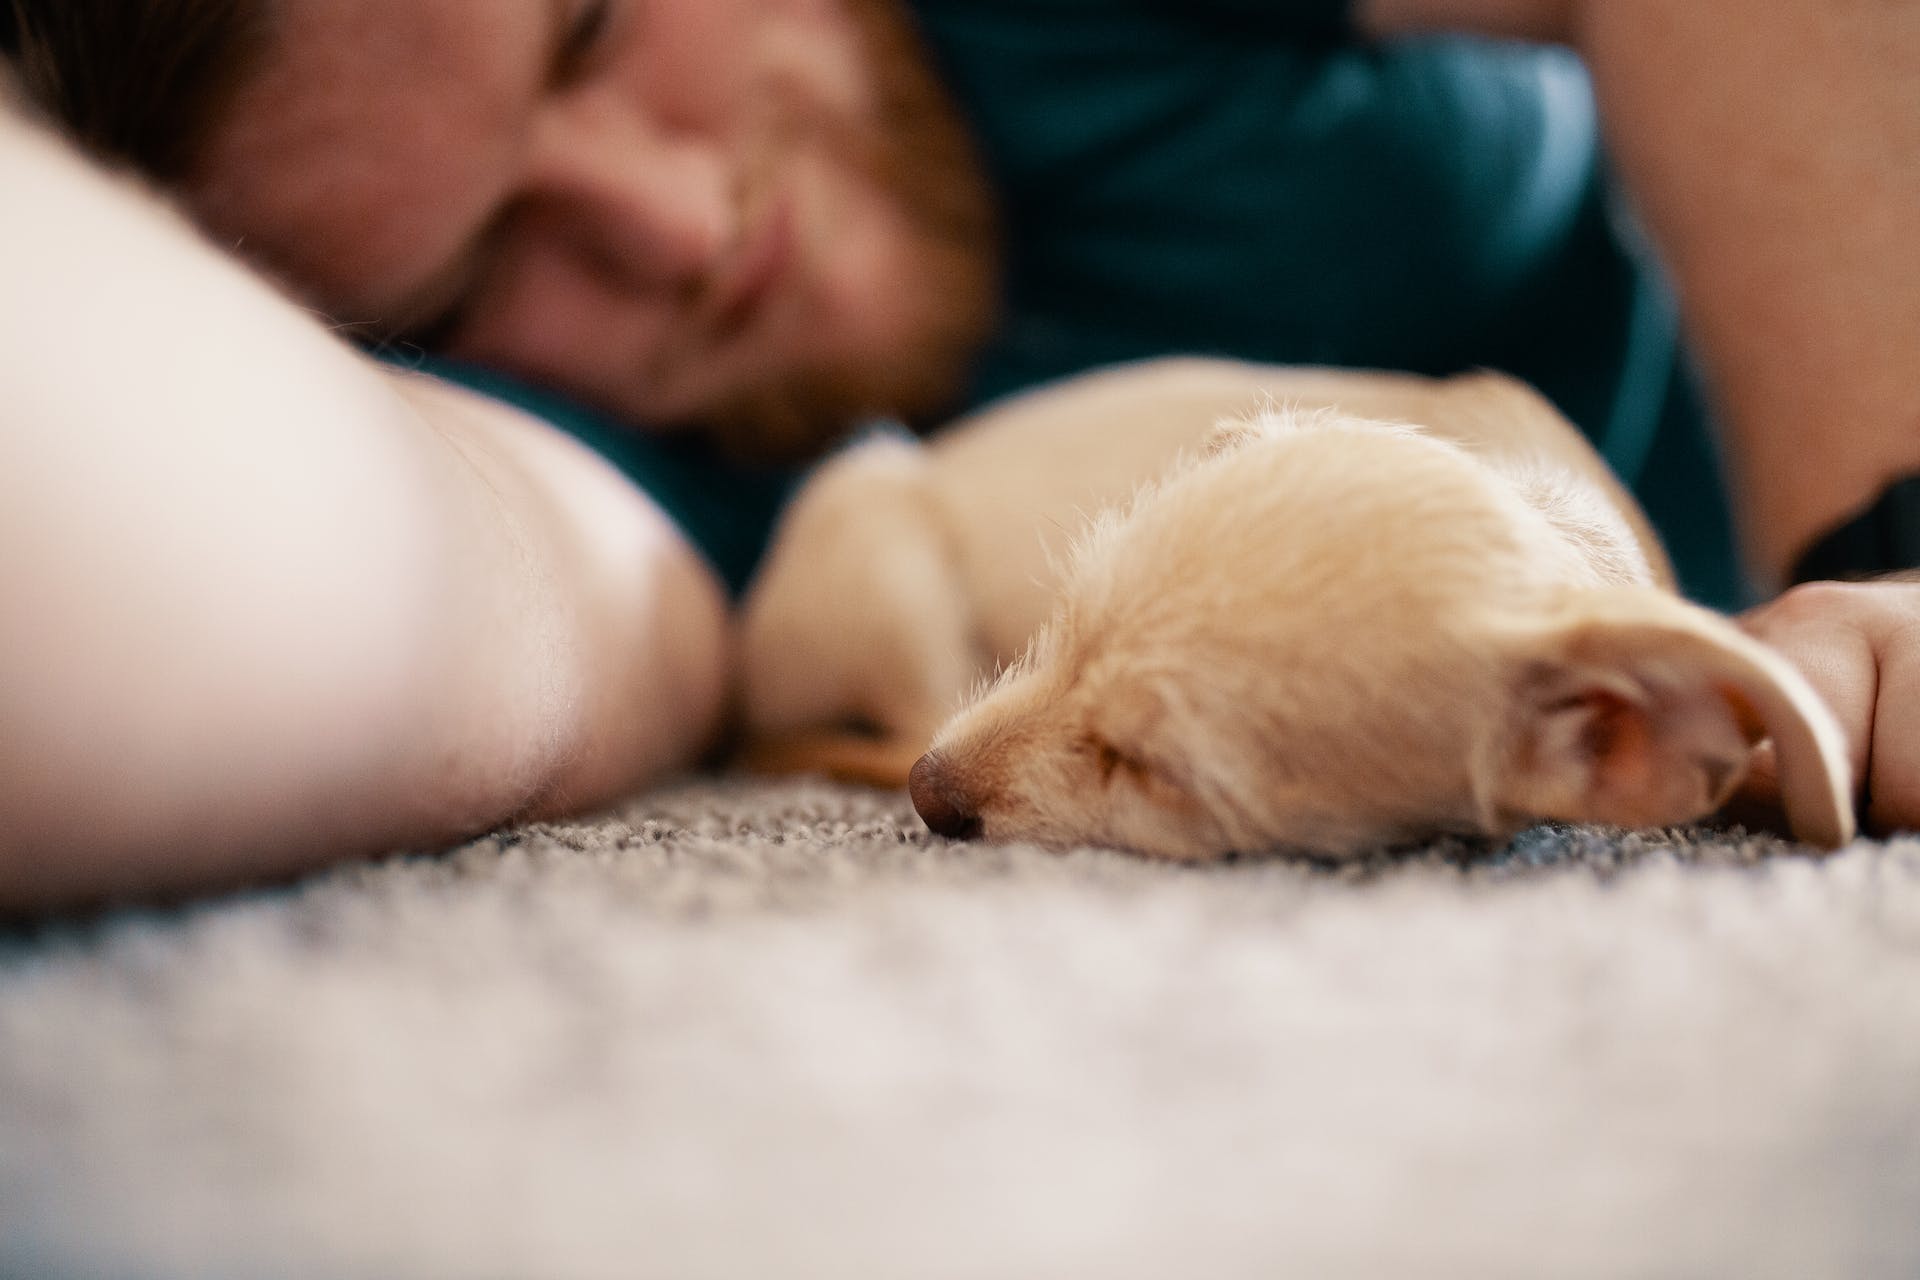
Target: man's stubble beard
(919, 154)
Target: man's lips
(763, 261)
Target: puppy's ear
(1637, 709)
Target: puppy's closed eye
(1111, 760)
(1152, 781)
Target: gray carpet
(780, 1031)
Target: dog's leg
(858, 618)
(842, 755)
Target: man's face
(754, 214)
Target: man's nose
(652, 208)
(944, 806)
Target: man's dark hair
(142, 82)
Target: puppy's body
(1352, 586)
(905, 572)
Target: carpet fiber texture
(768, 1031)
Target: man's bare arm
(266, 606)
(1771, 149)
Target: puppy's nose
(942, 805)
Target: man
(756, 217)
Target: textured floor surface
(780, 1031)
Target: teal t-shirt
(1247, 178)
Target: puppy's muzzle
(943, 805)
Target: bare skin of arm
(267, 606)
(1771, 150)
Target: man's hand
(1859, 646)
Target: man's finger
(1894, 789)
(1820, 630)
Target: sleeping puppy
(1383, 609)
(904, 573)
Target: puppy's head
(1331, 635)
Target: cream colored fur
(1367, 609)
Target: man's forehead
(375, 140)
